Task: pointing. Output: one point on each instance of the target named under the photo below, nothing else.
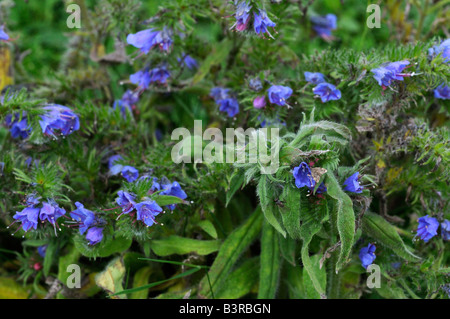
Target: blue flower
(114, 168)
(159, 74)
(230, 105)
(262, 22)
(225, 101)
(85, 217)
(352, 185)
(188, 61)
(242, 16)
(427, 228)
(141, 79)
(18, 126)
(442, 92)
(28, 217)
(445, 230)
(367, 255)
(94, 235)
(324, 25)
(278, 94)
(389, 72)
(50, 211)
(60, 118)
(2, 167)
(321, 189)
(173, 189)
(32, 200)
(126, 201)
(147, 211)
(255, 84)
(130, 173)
(327, 92)
(314, 77)
(147, 39)
(127, 102)
(3, 35)
(443, 48)
(42, 250)
(303, 176)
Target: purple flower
(32, 200)
(327, 92)
(42, 250)
(324, 25)
(262, 22)
(367, 255)
(160, 74)
(188, 61)
(278, 94)
(389, 72)
(443, 48)
(219, 93)
(60, 118)
(441, 92)
(18, 126)
(127, 102)
(173, 189)
(303, 176)
(255, 84)
(28, 217)
(114, 168)
(147, 211)
(147, 39)
(141, 78)
(94, 235)
(352, 185)
(85, 217)
(126, 201)
(427, 228)
(50, 211)
(314, 78)
(445, 230)
(130, 173)
(242, 16)
(3, 35)
(259, 102)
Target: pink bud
(259, 102)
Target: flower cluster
(144, 78)
(128, 172)
(367, 255)
(389, 72)
(324, 25)
(326, 91)
(30, 215)
(146, 211)
(243, 15)
(443, 48)
(428, 227)
(88, 223)
(127, 103)
(59, 118)
(169, 189)
(225, 101)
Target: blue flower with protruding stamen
(59, 118)
(147, 211)
(262, 22)
(327, 92)
(389, 72)
(278, 94)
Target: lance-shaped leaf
(241, 281)
(269, 272)
(384, 233)
(319, 274)
(265, 194)
(180, 246)
(236, 243)
(345, 218)
(290, 210)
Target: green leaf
(290, 213)
(66, 260)
(50, 254)
(319, 274)
(106, 248)
(219, 54)
(35, 242)
(236, 243)
(181, 246)
(141, 278)
(345, 219)
(208, 227)
(288, 249)
(237, 180)
(265, 193)
(384, 233)
(112, 277)
(270, 263)
(241, 281)
(164, 200)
